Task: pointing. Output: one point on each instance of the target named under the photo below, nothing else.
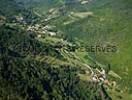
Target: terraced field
(46, 46)
(109, 23)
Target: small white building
(52, 33)
(39, 36)
(84, 2)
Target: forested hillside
(44, 52)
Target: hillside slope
(103, 22)
(38, 62)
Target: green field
(77, 25)
(110, 23)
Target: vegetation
(43, 50)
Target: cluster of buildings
(42, 30)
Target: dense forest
(65, 49)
